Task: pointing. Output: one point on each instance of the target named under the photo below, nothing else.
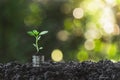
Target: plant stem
(37, 44)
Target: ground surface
(102, 70)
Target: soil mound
(87, 70)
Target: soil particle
(87, 70)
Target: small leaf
(30, 33)
(41, 48)
(34, 45)
(43, 32)
(39, 37)
(35, 32)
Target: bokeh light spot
(57, 55)
(93, 34)
(78, 13)
(111, 50)
(63, 35)
(82, 55)
(89, 44)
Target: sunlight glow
(94, 5)
(108, 27)
(108, 20)
(111, 2)
(57, 55)
(78, 13)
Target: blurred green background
(80, 29)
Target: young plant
(37, 36)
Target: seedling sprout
(37, 36)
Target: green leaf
(39, 37)
(30, 33)
(34, 45)
(35, 32)
(41, 48)
(43, 32)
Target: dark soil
(102, 70)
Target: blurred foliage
(81, 29)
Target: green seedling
(37, 36)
